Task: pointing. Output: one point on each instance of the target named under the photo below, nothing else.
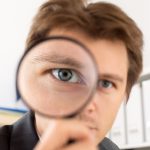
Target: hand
(60, 132)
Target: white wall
(15, 20)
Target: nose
(91, 107)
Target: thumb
(45, 139)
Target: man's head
(114, 40)
(96, 20)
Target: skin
(93, 123)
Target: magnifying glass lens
(57, 77)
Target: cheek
(108, 108)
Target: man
(116, 43)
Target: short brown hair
(99, 20)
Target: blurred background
(131, 129)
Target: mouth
(92, 128)
(93, 131)
(90, 123)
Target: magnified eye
(66, 75)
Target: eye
(105, 84)
(66, 75)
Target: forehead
(111, 56)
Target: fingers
(60, 132)
(81, 145)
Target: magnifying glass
(57, 76)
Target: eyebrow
(58, 59)
(111, 76)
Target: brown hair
(99, 20)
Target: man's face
(112, 62)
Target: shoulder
(5, 134)
(107, 144)
(20, 135)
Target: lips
(93, 129)
(90, 122)
(91, 126)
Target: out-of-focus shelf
(134, 132)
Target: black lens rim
(72, 114)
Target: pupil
(64, 74)
(106, 84)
